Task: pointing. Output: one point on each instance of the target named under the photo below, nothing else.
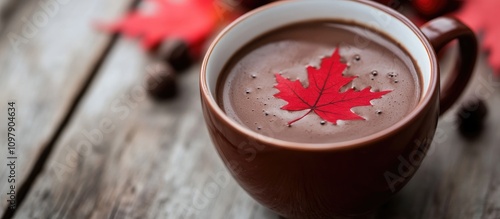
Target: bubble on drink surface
(248, 91)
(392, 74)
(323, 122)
(396, 81)
(253, 76)
(357, 58)
(374, 73)
(259, 128)
(378, 112)
(266, 113)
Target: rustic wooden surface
(460, 177)
(118, 154)
(45, 71)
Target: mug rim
(210, 101)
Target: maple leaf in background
(323, 96)
(189, 20)
(480, 15)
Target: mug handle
(441, 31)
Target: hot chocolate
(246, 88)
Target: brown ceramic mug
(345, 179)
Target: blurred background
(108, 124)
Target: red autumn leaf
(323, 96)
(434, 8)
(189, 20)
(481, 15)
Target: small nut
(176, 53)
(471, 116)
(251, 4)
(161, 81)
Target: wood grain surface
(116, 153)
(141, 159)
(157, 160)
(459, 177)
(48, 49)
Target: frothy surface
(246, 88)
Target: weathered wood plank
(156, 161)
(48, 49)
(125, 156)
(459, 177)
(7, 9)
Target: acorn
(161, 81)
(174, 52)
(471, 116)
(251, 4)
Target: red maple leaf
(189, 20)
(323, 95)
(481, 15)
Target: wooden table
(92, 144)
